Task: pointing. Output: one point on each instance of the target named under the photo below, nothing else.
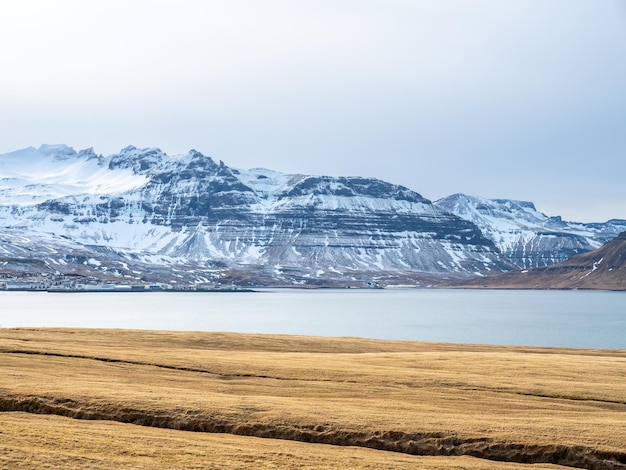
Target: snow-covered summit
(268, 184)
(503, 213)
(58, 152)
(31, 176)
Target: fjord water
(579, 319)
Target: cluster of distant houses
(73, 283)
(82, 284)
(46, 286)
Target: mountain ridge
(526, 236)
(145, 208)
(143, 216)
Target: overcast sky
(521, 99)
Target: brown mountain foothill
(603, 268)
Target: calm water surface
(535, 318)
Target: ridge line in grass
(425, 443)
(161, 366)
(259, 376)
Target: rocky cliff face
(142, 214)
(524, 235)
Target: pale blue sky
(522, 99)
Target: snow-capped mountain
(527, 237)
(144, 215)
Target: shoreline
(375, 343)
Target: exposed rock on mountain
(524, 235)
(603, 268)
(144, 216)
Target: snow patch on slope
(32, 176)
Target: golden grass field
(376, 402)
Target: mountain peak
(58, 151)
(526, 236)
(140, 160)
(87, 153)
(353, 186)
(514, 203)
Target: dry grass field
(380, 404)
(37, 441)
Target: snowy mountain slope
(31, 176)
(146, 209)
(602, 268)
(526, 236)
